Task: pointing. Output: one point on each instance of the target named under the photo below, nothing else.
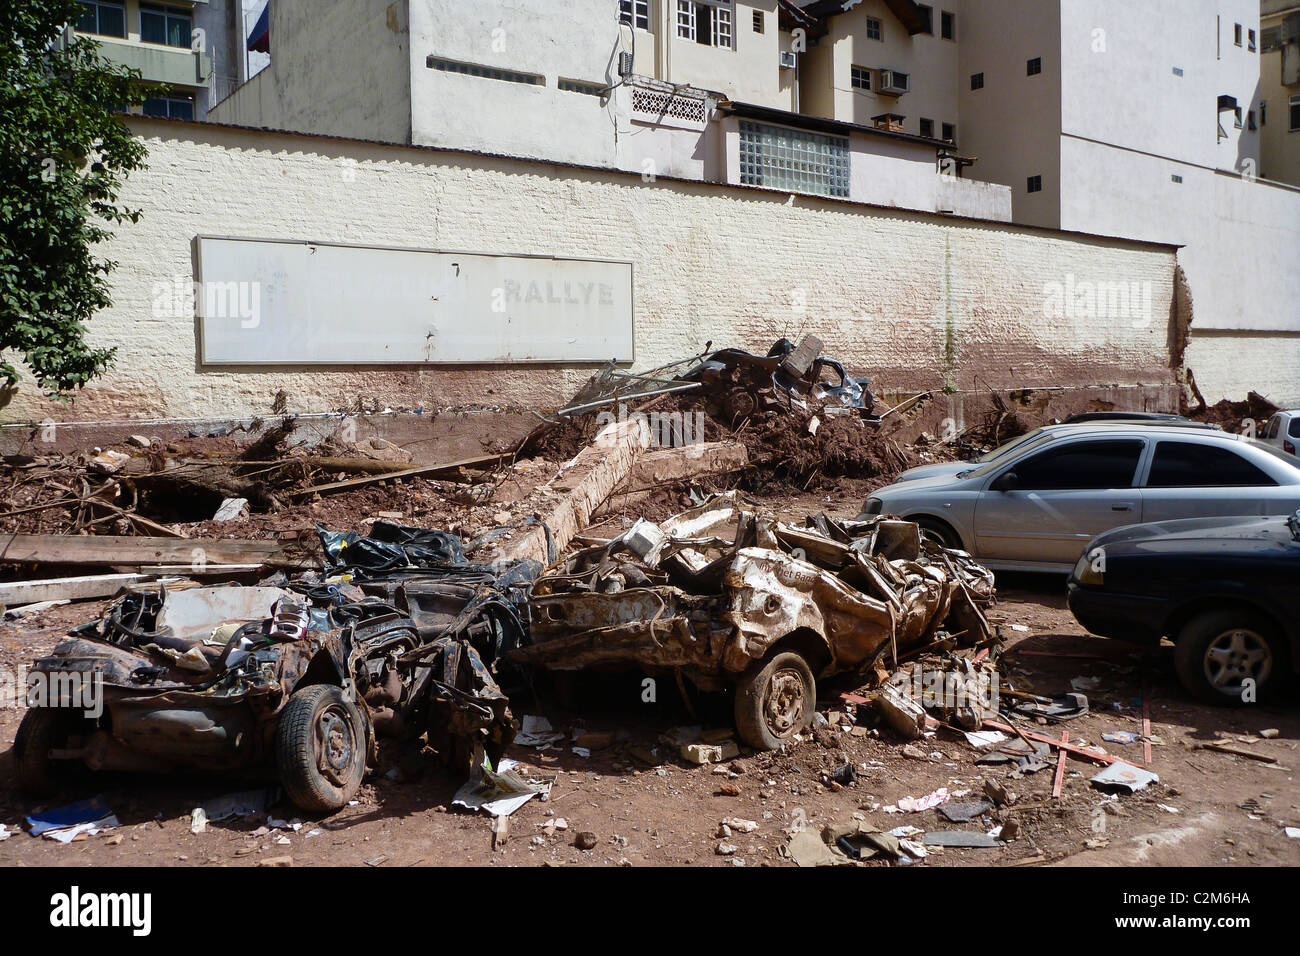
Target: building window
(484, 72)
(1236, 117)
(799, 161)
(1035, 184)
(1250, 121)
(105, 19)
(1176, 178)
(635, 12)
(927, 128)
(582, 86)
(1270, 40)
(758, 21)
(927, 15)
(1250, 42)
(165, 25)
(860, 78)
(1263, 112)
(950, 132)
(1178, 71)
(977, 81)
(1034, 66)
(170, 107)
(875, 29)
(1236, 33)
(708, 22)
(1295, 114)
(948, 25)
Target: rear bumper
(1125, 617)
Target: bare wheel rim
(335, 744)
(1236, 656)
(784, 701)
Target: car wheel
(775, 699)
(940, 532)
(42, 730)
(320, 748)
(1230, 657)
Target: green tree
(64, 154)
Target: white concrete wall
(915, 300)
(556, 39)
(1013, 124)
(340, 68)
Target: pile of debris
(799, 413)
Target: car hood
(934, 483)
(1204, 535)
(937, 470)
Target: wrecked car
(730, 598)
(301, 677)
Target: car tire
(42, 730)
(320, 748)
(1216, 651)
(940, 532)
(775, 699)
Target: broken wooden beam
(15, 593)
(584, 485)
(422, 470)
(134, 552)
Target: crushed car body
(731, 597)
(396, 636)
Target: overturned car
(396, 639)
(731, 598)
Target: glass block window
(783, 158)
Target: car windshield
(1035, 439)
(1012, 445)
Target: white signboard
(271, 302)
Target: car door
(1047, 505)
(1190, 479)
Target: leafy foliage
(64, 156)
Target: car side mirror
(1007, 481)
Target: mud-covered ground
(648, 808)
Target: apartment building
(1279, 94)
(195, 49)
(694, 89)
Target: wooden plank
(404, 473)
(136, 551)
(1146, 722)
(15, 593)
(1053, 742)
(1059, 782)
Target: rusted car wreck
(394, 637)
(730, 597)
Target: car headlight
(871, 508)
(1090, 570)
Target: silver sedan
(1036, 506)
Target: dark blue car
(1226, 591)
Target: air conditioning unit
(789, 60)
(894, 83)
